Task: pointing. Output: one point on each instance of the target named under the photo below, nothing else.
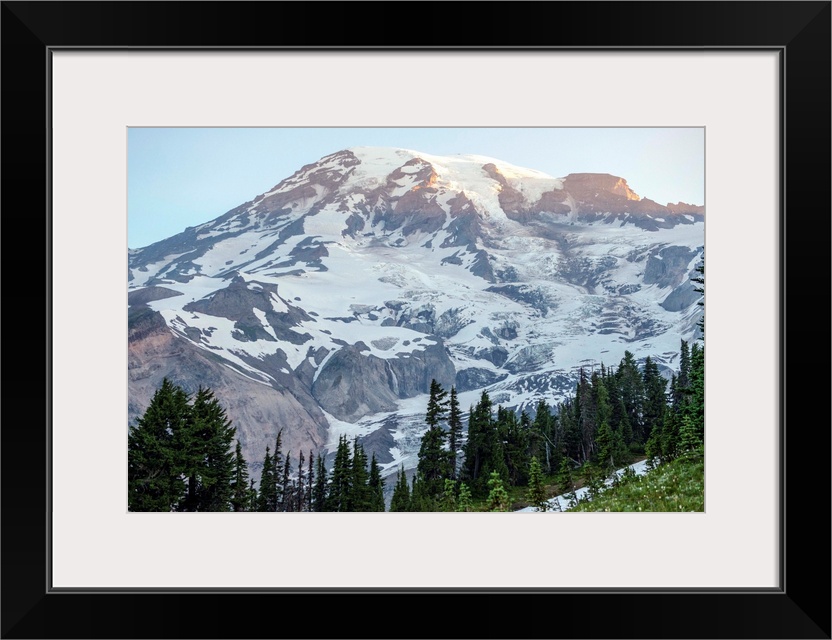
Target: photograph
(416, 319)
(394, 291)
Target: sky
(182, 177)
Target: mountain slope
(327, 304)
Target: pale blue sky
(182, 177)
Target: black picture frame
(800, 608)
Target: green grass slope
(677, 486)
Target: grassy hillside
(676, 486)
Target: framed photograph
(86, 84)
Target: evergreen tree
(359, 496)
(252, 496)
(288, 502)
(448, 501)
(543, 440)
(210, 461)
(632, 393)
(588, 412)
(564, 478)
(319, 493)
(420, 500)
(655, 398)
(340, 485)
(700, 280)
(696, 405)
(437, 405)
(484, 450)
(434, 464)
(568, 417)
(401, 493)
(536, 493)
(240, 498)
(278, 462)
(682, 387)
(514, 436)
(454, 432)
(310, 483)
(300, 499)
(609, 442)
(497, 496)
(464, 502)
(688, 435)
(376, 486)
(154, 469)
(266, 499)
(670, 435)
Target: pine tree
(543, 442)
(696, 405)
(266, 499)
(420, 500)
(688, 435)
(154, 470)
(655, 398)
(434, 463)
(670, 435)
(252, 496)
(564, 478)
(588, 412)
(340, 485)
(536, 493)
(288, 502)
(240, 498)
(437, 405)
(632, 393)
(609, 442)
(700, 280)
(682, 387)
(376, 486)
(300, 499)
(401, 493)
(454, 432)
(497, 496)
(310, 483)
(210, 464)
(484, 451)
(359, 495)
(319, 493)
(568, 417)
(448, 501)
(464, 501)
(278, 462)
(514, 436)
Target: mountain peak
(600, 182)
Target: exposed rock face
(239, 300)
(681, 298)
(257, 410)
(531, 358)
(669, 266)
(604, 196)
(476, 378)
(149, 294)
(353, 384)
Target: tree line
(180, 455)
(180, 450)
(180, 458)
(614, 416)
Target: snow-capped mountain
(327, 304)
